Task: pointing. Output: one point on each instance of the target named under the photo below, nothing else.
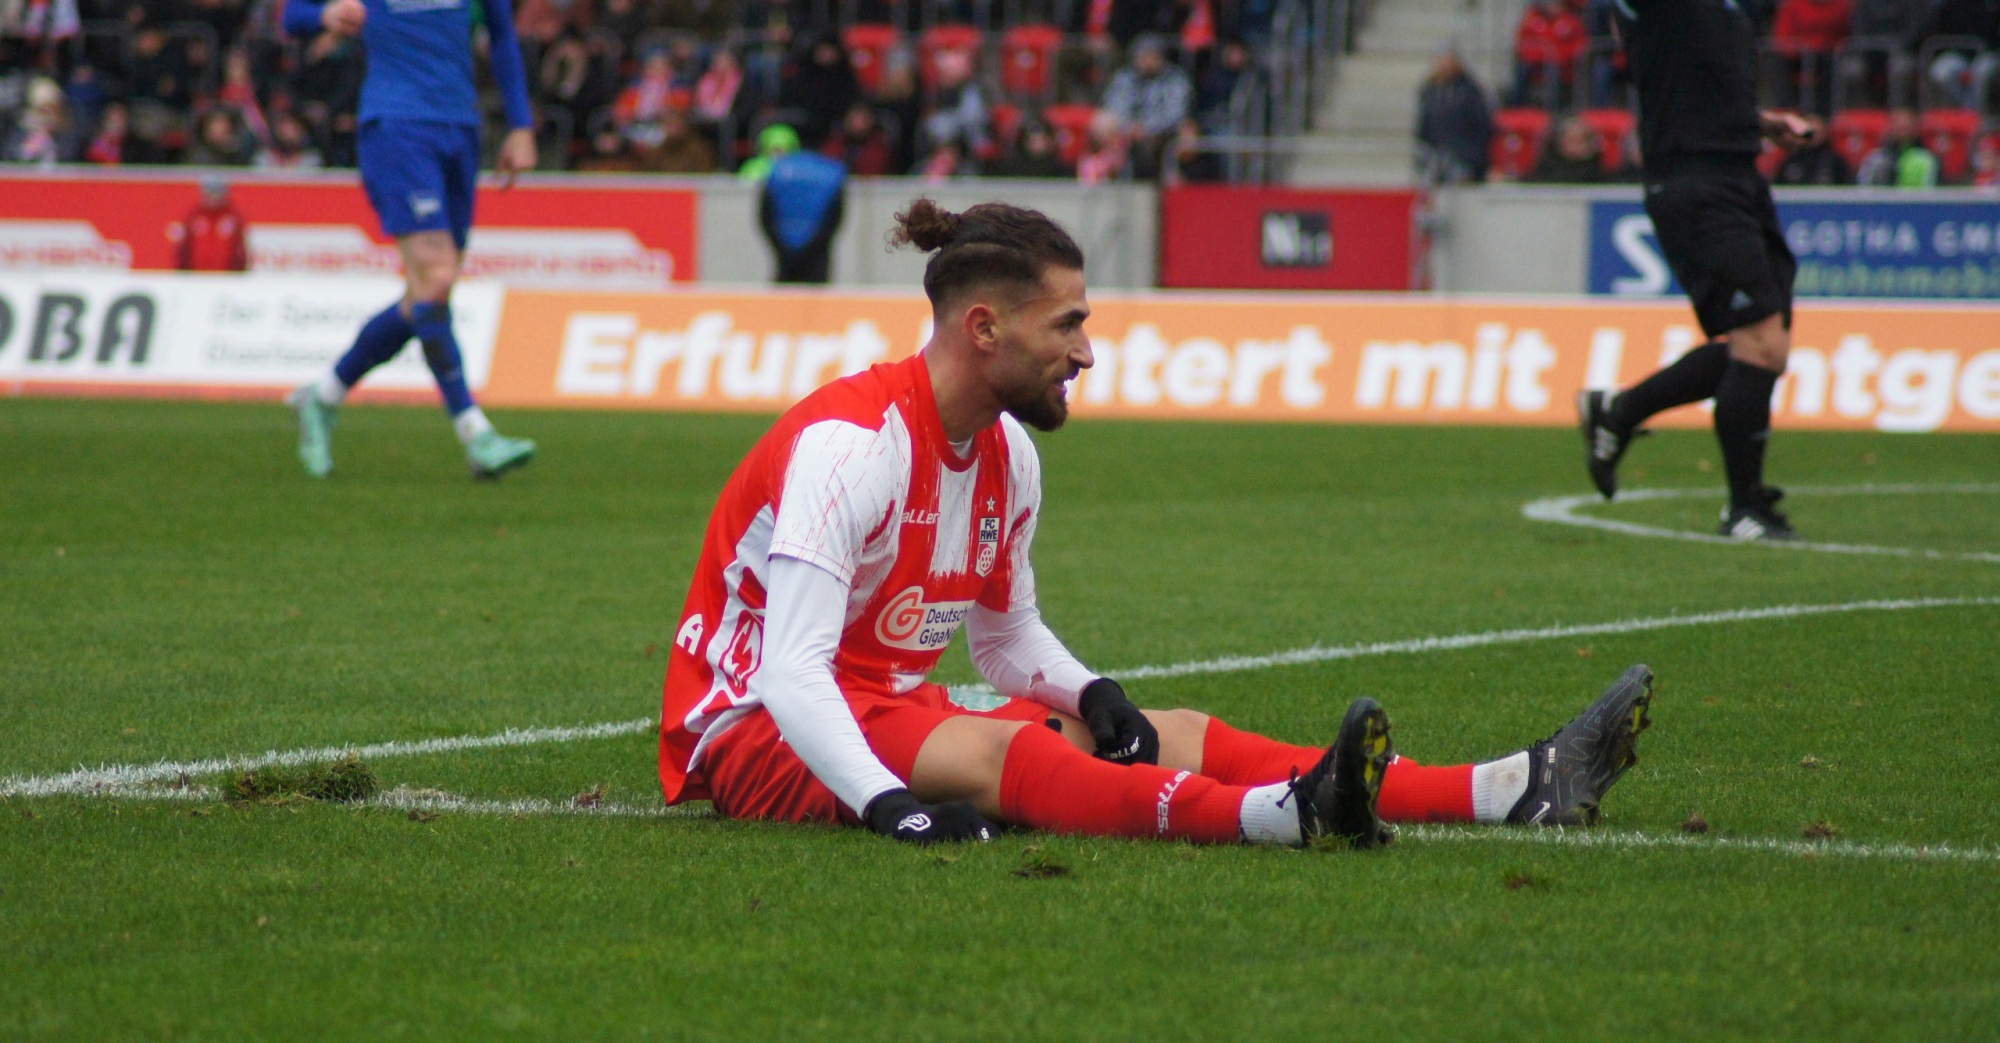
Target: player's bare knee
(1766, 343)
(1187, 723)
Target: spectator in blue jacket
(800, 207)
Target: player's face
(1043, 348)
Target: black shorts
(1718, 228)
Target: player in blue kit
(419, 146)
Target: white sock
(471, 424)
(1497, 786)
(1270, 815)
(330, 390)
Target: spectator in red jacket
(211, 238)
(1547, 46)
(1807, 32)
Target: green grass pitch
(172, 587)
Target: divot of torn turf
(344, 781)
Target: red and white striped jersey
(859, 480)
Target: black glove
(899, 814)
(1123, 734)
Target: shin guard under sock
(381, 337)
(1414, 793)
(1743, 426)
(432, 322)
(1692, 377)
(1047, 783)
(1240, 758)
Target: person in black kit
(1694, 63)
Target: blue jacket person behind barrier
(803, 200)
(419, 159)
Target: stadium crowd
(1908, 85)
(1090, 89)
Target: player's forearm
(804, 609)
(509, 74)
(1021, 657)
(302, 17)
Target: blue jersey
(420, 59)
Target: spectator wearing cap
(213, 237)
(1149, 98)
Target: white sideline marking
(1633, 840)
(127, 776)
(1320, 654)
(1563, 510)
(435, 801)
(111, 779)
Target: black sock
(1743, 426)
(1693, 377)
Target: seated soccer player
(419, 145)
(890, 509)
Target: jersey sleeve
(1022, 658)
(302, 17)
(509, 74)
(1012, 586)
(840, 486)
(803, 620)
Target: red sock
(1046, 783)
(1242, 758)
(1414, 793)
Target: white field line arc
(126, 777)
(1632, 840)
(1564, 510)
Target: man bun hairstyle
(988, 243)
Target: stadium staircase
(1361, 132)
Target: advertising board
(1875, 248)
(576, 235)
(1234, 237)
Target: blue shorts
(420, 175)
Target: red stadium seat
(941, 38)
(1949, 133)
(1027, 60)
(1613, 128)
(1518, 135)
(868, 47)
(1856, 132)
(1071, 126)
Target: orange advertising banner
(1331, 358)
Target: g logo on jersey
(912, 623)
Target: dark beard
(1038, 411)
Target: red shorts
(753, 773)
